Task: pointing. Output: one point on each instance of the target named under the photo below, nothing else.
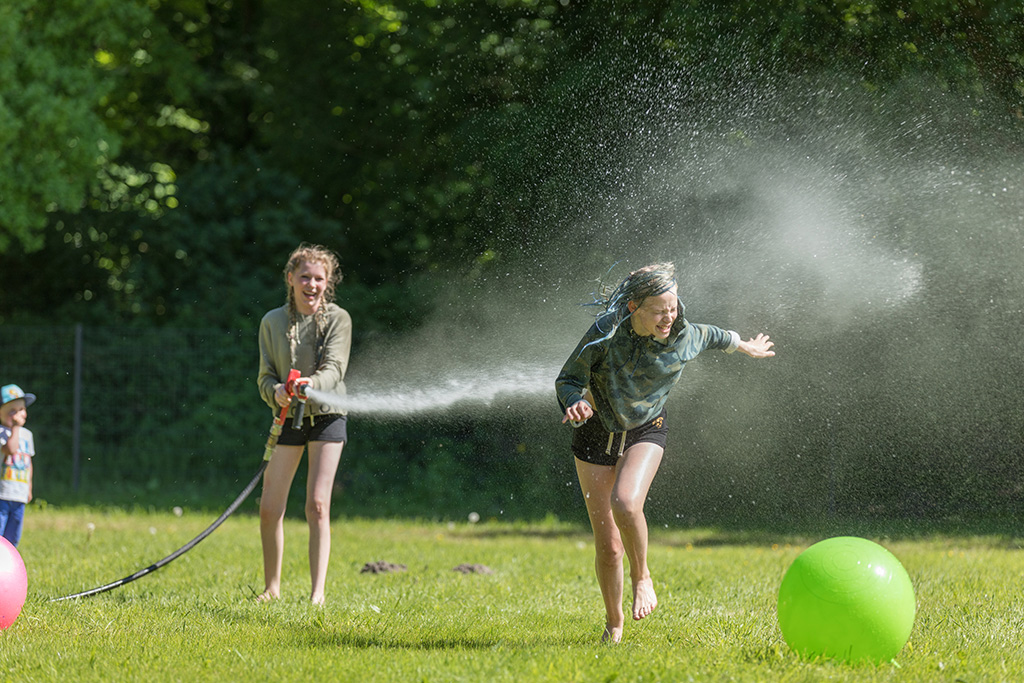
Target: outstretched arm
(758, 347)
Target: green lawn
(537, 617)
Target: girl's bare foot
(612, 635)
(317, 600)
(267, 596)
(644, 599)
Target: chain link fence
(136, 406)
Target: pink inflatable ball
(13, 583)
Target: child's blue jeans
(11, 516)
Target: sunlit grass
(536, 617)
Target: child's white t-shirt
(17, 467)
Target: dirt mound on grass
(381, 567)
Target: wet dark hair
(640, 284)
(613, 303)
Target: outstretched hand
(758, 347)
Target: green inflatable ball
(846, 598)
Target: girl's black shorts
(318, 428)
(592, 443)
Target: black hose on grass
(268, 452)
(180, 551)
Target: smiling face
(656, 315)
(308, 282)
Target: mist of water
(877, 241)
(786, 236)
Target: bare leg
(596, 483)
(324, 457)
(277, 480)
(636, 469)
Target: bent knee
(627, 507)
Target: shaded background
(844, 176)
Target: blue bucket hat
(11, 392)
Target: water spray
(463, 390)
(297, 391)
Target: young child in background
(17, 448)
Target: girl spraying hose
(622, 371)
(313, 335)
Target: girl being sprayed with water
(622, 371)
(313, 335)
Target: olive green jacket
(327, 373)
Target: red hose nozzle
(289, 384)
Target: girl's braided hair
(311, 253)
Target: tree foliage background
(162, 157)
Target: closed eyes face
(656, 315)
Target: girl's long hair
(311, 253)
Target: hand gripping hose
(299, 392)
(275, 432)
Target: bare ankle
(612, 635)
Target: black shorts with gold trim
(594, 444)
